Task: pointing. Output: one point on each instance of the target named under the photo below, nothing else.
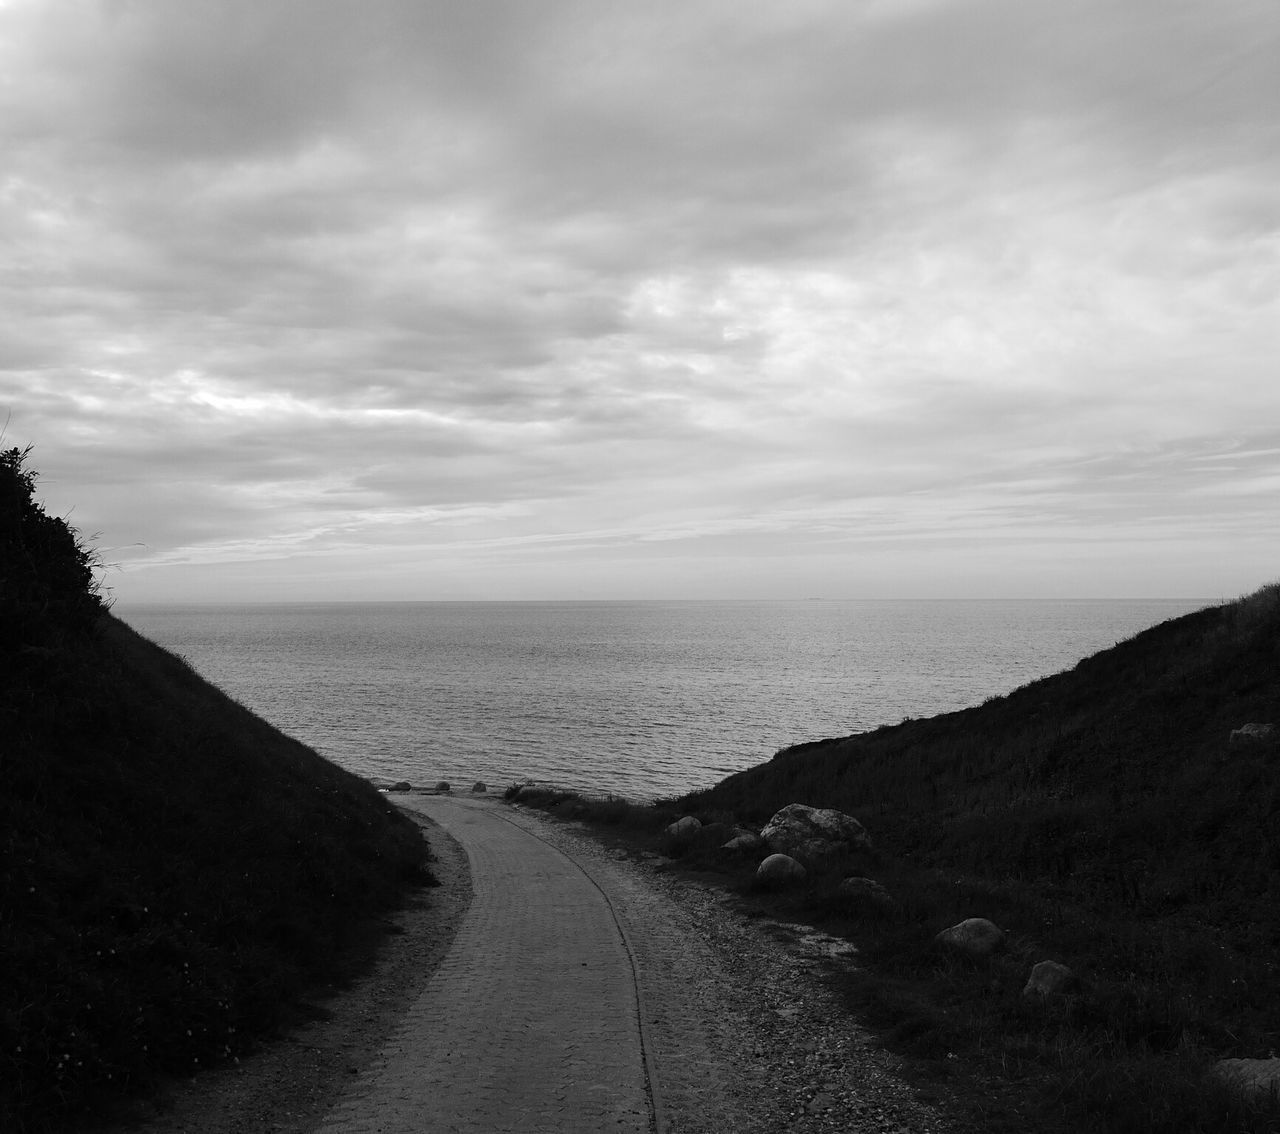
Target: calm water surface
(640, 698)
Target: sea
(643, 699)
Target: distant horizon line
(600, 601)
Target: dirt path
(532, 1021)
(582, 991)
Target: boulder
(745, 841)
(1254, 1079)
(478, 788)
(1252, 733)
(865, 894)
(684, 828)
(1049, 978)
(401, 785)
(779, 870)
(443, 786)
(974, 937)
(814, 833)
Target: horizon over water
(643, 698)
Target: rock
(865, 893)
(1254, 1079)
(478, 788)
(1049, 978)
(814, 833)
(745, 841)
(443, 786)
(779, 870)
(974, 937)
(401, 785)
(1252, 733)
(684, 828)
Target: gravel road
(572, 989)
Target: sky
(579, 299)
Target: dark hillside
(1115, 780)
(1105, 818)
(173, 870)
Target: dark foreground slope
(1116, 781)
(173, 870)
(1105, 818)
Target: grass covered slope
(174, 870)
(1115, 781)
(1105, 818)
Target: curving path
(582, 991)
(532, 1022)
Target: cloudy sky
(306, 299)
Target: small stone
(975, 937)
(478, 788)
(401, 785)
(779, 870)
(745, 841)
(1049, 978)
(685, 828)
(443, 786)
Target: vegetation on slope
(1105, 819)
(1115, 782)
(174, 870)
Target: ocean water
(644, 699)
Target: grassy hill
(1115, 782)
(1105, 817)
(173, 871)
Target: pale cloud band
(405, 299)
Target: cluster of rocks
(800, 838)
(977, 938)
(441, 788)
(796, 835)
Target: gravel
(742, 1031)
(781, 1053)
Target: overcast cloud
(581, 298)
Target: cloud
(511, 286)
